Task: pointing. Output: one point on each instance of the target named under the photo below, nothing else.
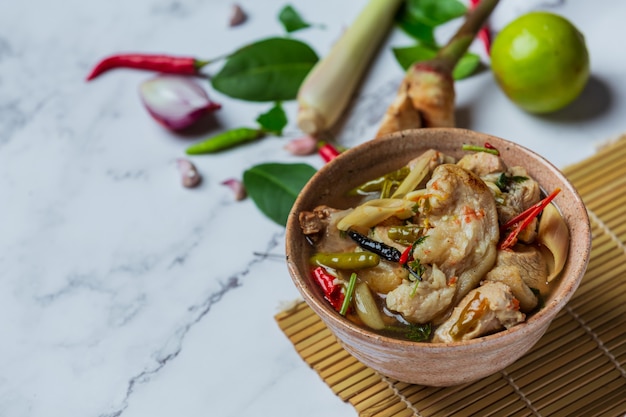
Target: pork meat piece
(462, 235)
(421, 302)
(519, 195)
(320, 225)
(484, 310)
(482, 163)
(531, 264)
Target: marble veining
(124, 294)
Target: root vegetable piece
(426, 96)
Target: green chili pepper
(225, 140)
(405, 235)
(381, 183)
(346, 260)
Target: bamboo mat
(578, 368)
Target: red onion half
(175, 101)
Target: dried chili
(161, 63)
(387, 252)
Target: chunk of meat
(519, 192)
(320, 225)
(519, 195)
(423, 303)
(384, 277)
(464, 231)
(532, 266)
(486, 309)
(461, 240)
(482, 163)
(511, 276)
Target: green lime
(540, 61)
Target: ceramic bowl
(434, 364)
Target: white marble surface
(124, 294)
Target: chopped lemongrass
(348, 297)
(418, 172)
(416, 195)
(329, 87)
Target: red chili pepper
(522, 220)
(484, 34)
(161, 63)
(404, 258)
(332, 291)
(327, 151)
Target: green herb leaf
(407, 56)
(291, 20)
(274, 187)
(504, 181)
(466, 66)
(274, 121)
(418, 18)
(420, 31)
(419, 332)
(268, 70)
(434, 12)
(349, 294)
(414, 332)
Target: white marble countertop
(124, 294)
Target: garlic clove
(305, 145)
(176, 102)
(237, 188)
(190, 176)
(237, 16)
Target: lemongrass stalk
(328, 88)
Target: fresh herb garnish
(487, 149)
(415, 267)
(413, 332)
(417, 270)
(349, 292)
(505, 181)
(419, 332)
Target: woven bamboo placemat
(578, 368)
